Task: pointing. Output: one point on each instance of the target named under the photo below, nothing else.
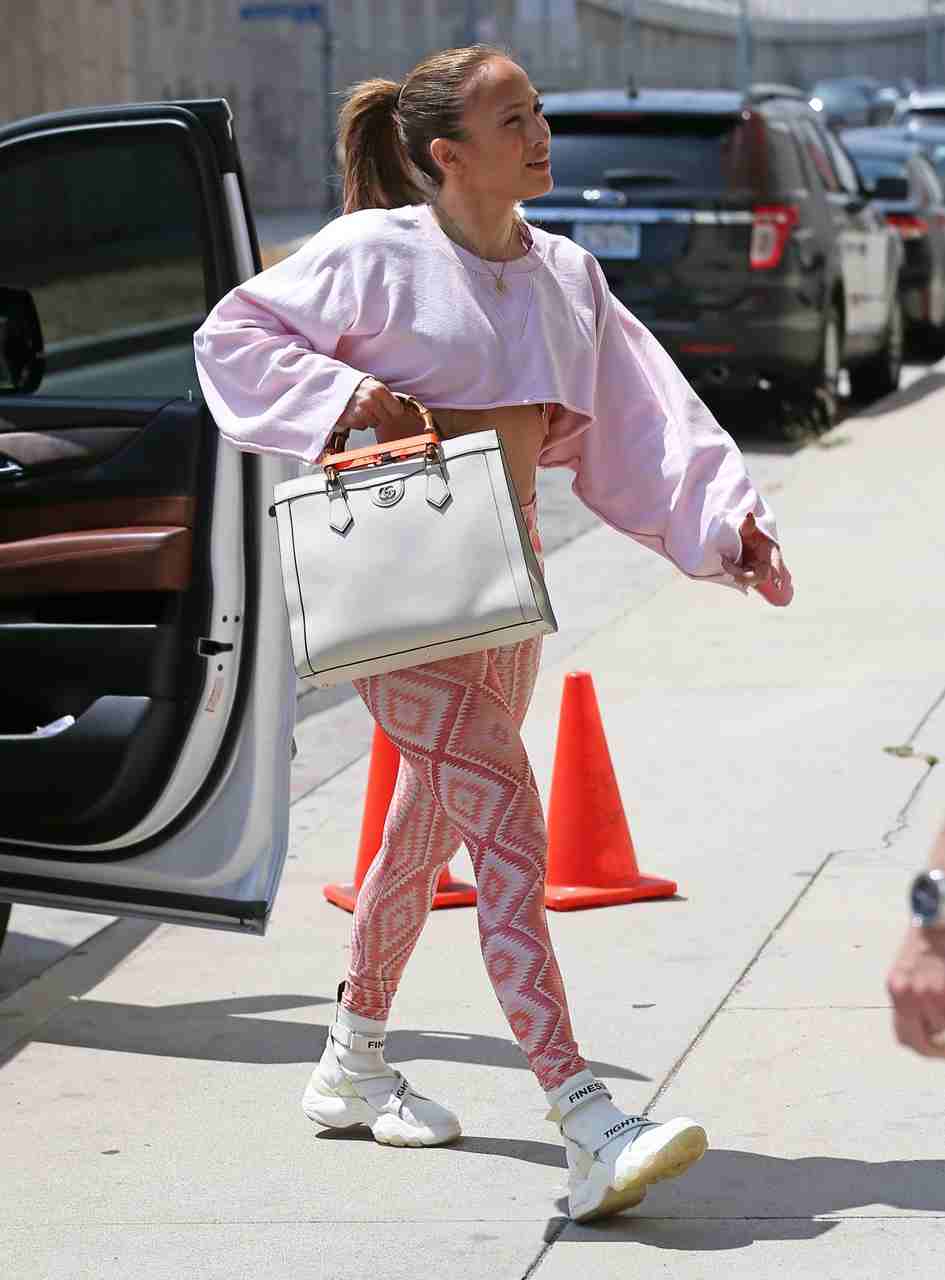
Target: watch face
(926, 898)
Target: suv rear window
(872, 167)
(709, 153)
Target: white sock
(359, 1064)
(587, 1124)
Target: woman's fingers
(778, 593)
(935, 1037)
(917, 1028)
(386, 407)
(371, 405)
(736, 571)
(909, 1031)
(768, 576)
(762, 568)
(750, 571)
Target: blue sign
(272, 12)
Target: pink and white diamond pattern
(465, 778)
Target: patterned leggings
(464, 777)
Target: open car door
(142, 623)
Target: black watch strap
(927, 899)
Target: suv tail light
(909, 225)
(770, 232)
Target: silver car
(924, 107)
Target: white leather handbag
(404, 553)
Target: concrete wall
(62, 53)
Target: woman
(432, 284)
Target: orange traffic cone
(382, 775)
(591, 859)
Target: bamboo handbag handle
(334, 454)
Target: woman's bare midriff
(521, 427)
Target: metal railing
(818, 10)
(812, 13)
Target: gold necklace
(458, 236)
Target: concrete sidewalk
(151, 1080)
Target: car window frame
(781, 123)
(196, 154)
(802, 124)
(929, 180)
(840, 157)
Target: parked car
(736, 228)
(928, 138)
(904, 185)
(847, 101)
(924, 106)
(140, 587)
(890, 96)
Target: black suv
(736, 228)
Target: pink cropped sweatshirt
(386, 293)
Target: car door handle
(10, 469)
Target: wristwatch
(927, 899)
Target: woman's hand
(372, 405)
(761, 566)
(916, 985)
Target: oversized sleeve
(654, 463)
(266, 354)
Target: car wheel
(810, 406)
(880, 374)
(827, 390)
(933, 336)
(5, 909)
(935, 342)
(822, 390)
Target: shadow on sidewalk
(686, 1235)
(228, 1031)
(550, 1154)
(913, 394)
(733, 1199)
(483, 1051)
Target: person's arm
(916, 981)
(266, 354)
(655, 463)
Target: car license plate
(609, 239)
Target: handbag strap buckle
(339, 513)
(438, 485)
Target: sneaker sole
(332, 1111)
(679, 1152)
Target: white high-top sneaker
(611, 1163)
(373, 1093)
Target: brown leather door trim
(143, 559)
(43, 518)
